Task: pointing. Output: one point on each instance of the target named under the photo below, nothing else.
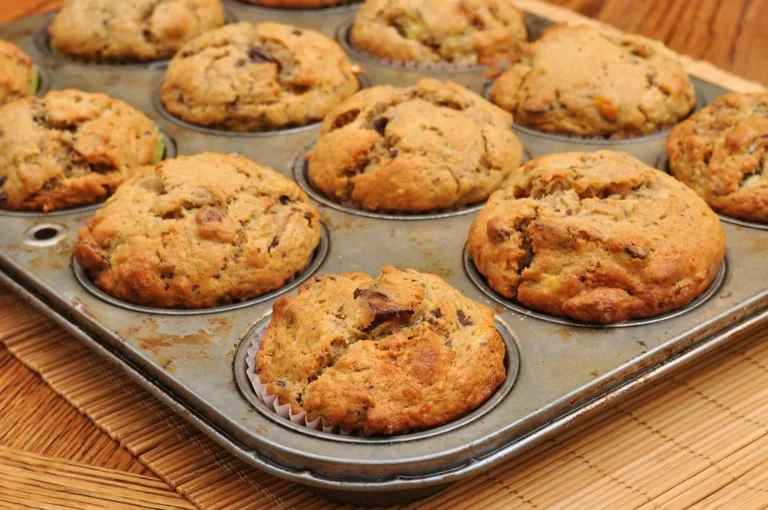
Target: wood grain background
(728, 33)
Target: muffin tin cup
(321, 19)
(255, 391)
(645, 148)
(196, 363)
(479, 280)
(318, 257)
(663, 164)
(170, 153)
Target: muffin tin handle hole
(44, 234)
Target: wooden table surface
(729, 34)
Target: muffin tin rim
(245, 389)
(319, 255)
(482, 285)
(303, 11)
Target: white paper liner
(271, 401)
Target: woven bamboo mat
(698, 438)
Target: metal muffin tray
(195, 362)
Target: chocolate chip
(385, 315)
(297, 32)
(240, 62)
(463, 319)
(298, 398)
(285, 199)
(636, 253)
(345, 118)
(437, 313)
(3, 180)
(380, 125)
(449, 343)
(569, 211)
(308, 217)
(393, 153)
(274, 243)
(259, 55)
(280, 383)
(370, 294)
(208, 215)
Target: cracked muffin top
(721, 152)
(246, 77)
(588, 82)
(401, 352)
(70, 148)
(131, 30)
(300, 4)
(199, 232)
(432, 146)
(597, 237)
(18, 75)
(461, 32)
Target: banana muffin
(400, 352)
(18, 75)
(300, 4)
(597, 237)
(428, 147)
(70, 148)
(246, 77)
(461, 32)
(588, 82)
(199, 232)
(721, 152)
(136, 30)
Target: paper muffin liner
(273, 403)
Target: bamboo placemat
(699, 437)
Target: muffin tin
(195, 363)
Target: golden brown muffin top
(199, 232)
(721, 152)
(431, 146)
(586, 81)
(246, 77)
(463, 32)
(597, 237)
(399, 352)
(69, 148)
(131, 30)
(18, 76)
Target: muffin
(300, 4)
(246, 77)
(199, 232)
(18, 75)
(428, 147)
(721, 152)
(70, 148)
(597, 237)
(397, 353)
(461, 32)
(587, 82)
(136, 30)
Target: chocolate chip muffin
(199, 232)
(136, 30)
(246, 77)
(597, 237)
(721, 152)
(585, 81)
(70, 148)
(300, 4)
(400, 352)
(432, 146)
(461, 32)
(18, 75)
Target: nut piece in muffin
(70, 148)
(401, 352)
(588, 82)
(460, 32)
(428, 147)
(597, 237)
(136, 30)
(199, 232)
(300, 4)
(721, 152)
(246, 77)
(18, 75)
